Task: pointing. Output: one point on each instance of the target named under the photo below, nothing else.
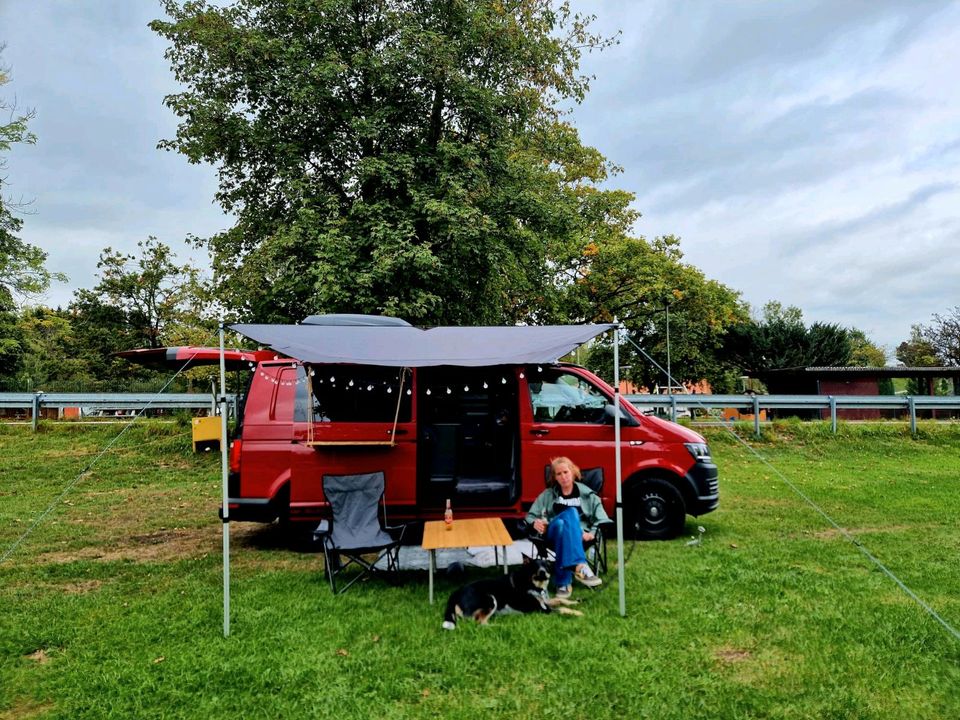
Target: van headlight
(700, 451)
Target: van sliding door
(361, 421)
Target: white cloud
(806, 152)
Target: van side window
(300, 402)
(359, 393)
(563, 397)
(284, 393)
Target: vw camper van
(481, 436)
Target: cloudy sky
(805, 152)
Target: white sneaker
(564, 592)
(586, 576)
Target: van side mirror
(609, 410)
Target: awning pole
(616, 438)
(223, 472)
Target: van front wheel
(655, 510)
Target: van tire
(655, 510)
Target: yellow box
(206, 433)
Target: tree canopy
(661, 300)
(405, 158)
(935, 344)
(780, 339)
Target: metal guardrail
(110, 402)
(754, 404)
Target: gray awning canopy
(413, 347)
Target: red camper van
(480, 435)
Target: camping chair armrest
(397, 531)
(321, 530)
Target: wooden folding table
(473, 532)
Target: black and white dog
(524, 590)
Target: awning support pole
(222, 402)
(621, 571)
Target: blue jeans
(566, 538)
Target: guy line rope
(89, 467)
(847, 535)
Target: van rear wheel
(655, 510)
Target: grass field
(112, 606)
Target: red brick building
(856, 381)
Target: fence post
(36, 409)
(913, 415)
(833, 413)
(756, 416)
(673, 408)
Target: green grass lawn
(112, 607)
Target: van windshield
(360, 393)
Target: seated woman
(570, 513)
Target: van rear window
(360, 393)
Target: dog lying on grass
(524, 590)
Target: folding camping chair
(596, 549)
(358, 529)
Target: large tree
(780, 339)
(664, 303)
(406, 157)
(142, 300)
(943, 334)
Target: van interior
(468, 447)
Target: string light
(466, 388)
(522, 375)
(485, 386)
(428, 391)
(449, 391)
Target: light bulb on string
(409, 391)
(522, 375)
(503, 381)
(389, 391)
(333, 379)
(350, 383)
(429, 392)
(449, 391)
(466, 388)
(485, 386)
(369, 388)
(539, 369)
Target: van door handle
(398, 431)
(540, 431)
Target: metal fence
(906, 405)
(91, 404)
(671, 405)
